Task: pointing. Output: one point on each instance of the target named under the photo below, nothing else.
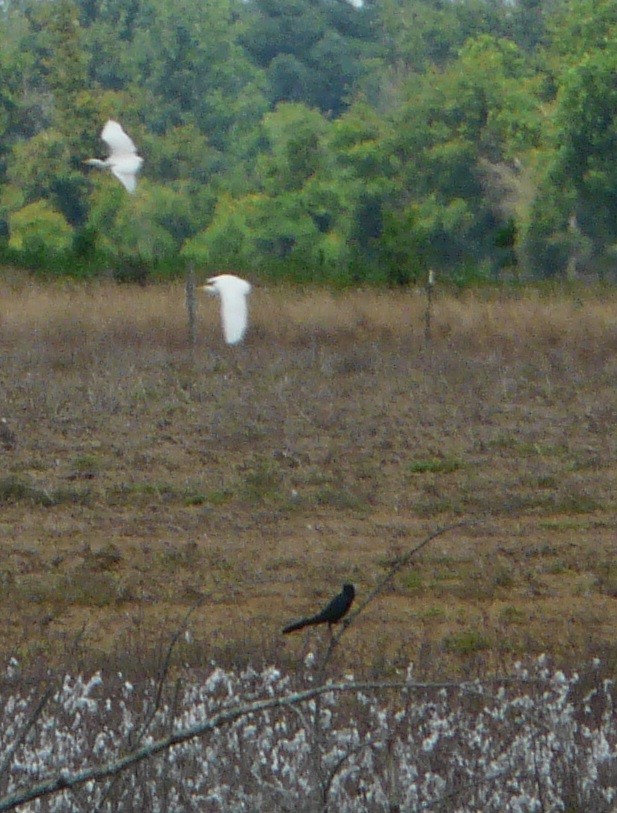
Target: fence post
(190, 305)
(430, 284)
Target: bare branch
(159, 693)
(67, 780)
(36, 713)
(38, 710)
(399, 564)
(165, 670)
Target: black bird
(331, 613)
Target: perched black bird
(331, 613)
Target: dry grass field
(145, 477)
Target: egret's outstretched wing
(117, 140)
(126, 172)
(233, 292)
(234, 313)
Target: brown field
(257, 479)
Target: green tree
(313, 52)
(584, 173)
(39, 228)
(187, 57)
(150, 225)
(295, 147)
(485, 108)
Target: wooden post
(430, 284)
(190, 306)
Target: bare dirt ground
(144, 478)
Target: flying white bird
(123, 160)
(233, 292)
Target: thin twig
(336, 768)
(66, 780)
(159, 693)
(45, 698)
(36, 713)
(165, 670)
(399, 564)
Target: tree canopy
(317, 139)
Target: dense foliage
(320, 139)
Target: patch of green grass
(587, 462)
(18, 489)
(526, 449)
(194, 498)
(577, 502)
(556, 567)
(563, 524)
(14, 489)
(94, 589)
(340, 498)
(71, 496)
(87, 465)
(433, 614)
(83, 587)
(502, 576)
(218, 496)
(140, 492)
(466, 643)
(502, 441)
(512, 615)
(314, 476)
(438, 505)
(413, 581)
(435, 465)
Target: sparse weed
(218, 496)
(17, 488)
(605, 572)
(341, 499)
(262, 480)
(512, 615)
(81, 587)
(87, 466)
(145, 492)
(576, 501)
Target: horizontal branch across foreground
(66, 780)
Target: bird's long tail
(305, 622)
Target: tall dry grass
(71, 314)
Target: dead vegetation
(145, 477)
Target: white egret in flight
(233, 292)
(123, 160)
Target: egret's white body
(233, 292)
(123, 160)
